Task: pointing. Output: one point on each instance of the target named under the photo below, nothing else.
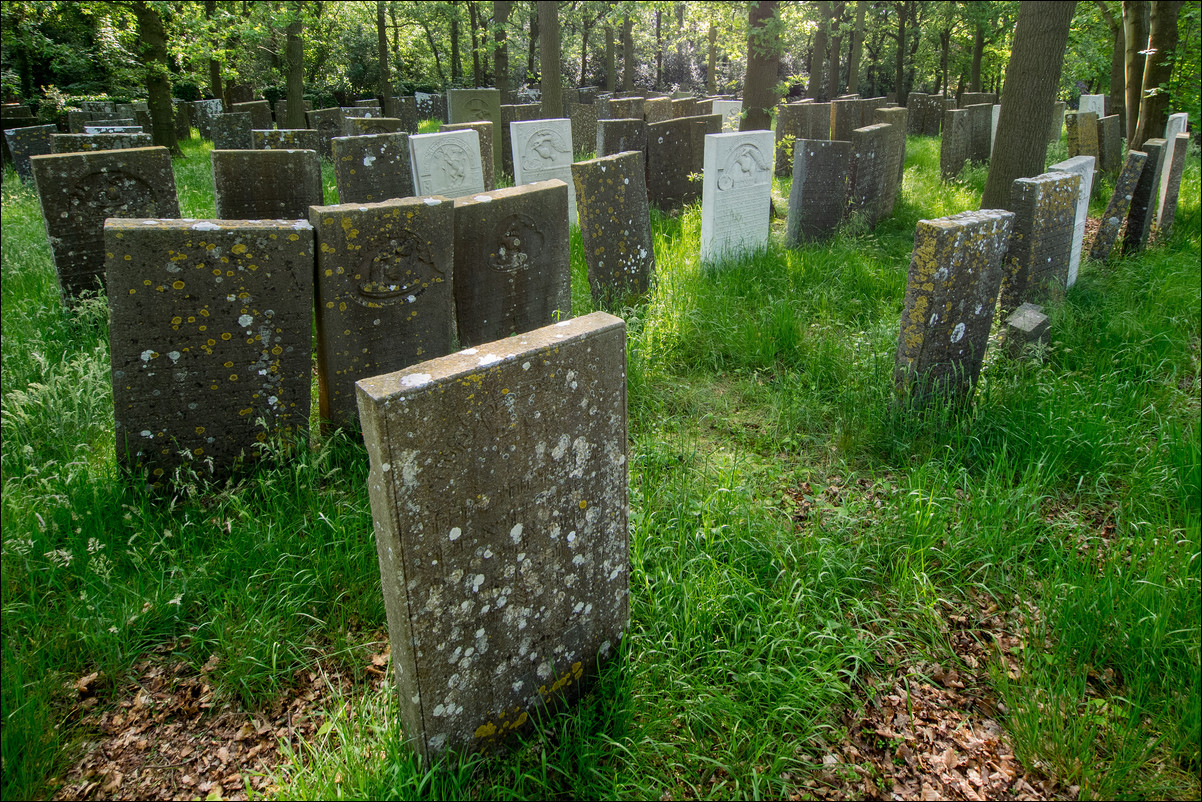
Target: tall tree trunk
(214, 65)
(442, 76)
(832, 64)
(627, 54)
(396, 34)
(1117, 63)
(857, 49)
(711, 61)
(548, 46)
(763, 61)
(530, 73)
(1032, 77)
(500, 15)
(152, 41)
(294, 47)
(945, 44)
(684, 69)
(978, 51)
(474, 21)
(903, 13)
(1135, 39)
(382, 46)
(584, 54)
(611, 66)
(817, 85)
(1162, 47)
(659, 50)
(915, 40)
(456, 62)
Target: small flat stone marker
(266, 184)
(1026, 327)
(736, 194)
(615, 225)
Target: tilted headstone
(1093, 103)
(618, 136)
(870, 165)
(996, 114)
(266, 184)
(818, 196)
(1116, 210)
(1110, 144)
(1058, 111)
(370, 169)
(953, 148)
(384, 296)
(211, 338)
(542, 150)
(369, 126)
(512, 267)
(731, 110)
(736, 194)
(1166, 212)
(684, 107)
(485, 131)
(287, 139)
(328, 123)
(509, 114)
(1144, 200)
(615, 225)
(980, 121)
(1041, 239)
(259, 111)
(846, 116)
(27, 141)
(657, 109)
(498, 489)
(233, 132)
(895, 156)
(446, 163)
(470, 105)
(951, 291)
(1176, 124)
(85, 143)
(1026, 327)
(1082, 128)
(204, 111)
(79, 191)
(1084, 167)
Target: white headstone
(736, 194)
(997, 111)
(1084, 167)
(730, 111)
(542, 150)
(1175, 125)
(447, 163)
(1094, 103)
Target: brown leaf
(83, 685)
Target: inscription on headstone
(266, 184)
(446, 163)
(615, 225)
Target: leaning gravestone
(233, 132)
(870, 167)
(1176, 125)
(730, 111)
(1166, 211)
(846, 116)
(266, 184)
(287, 139)
(30, 140)
(384, 297)
(818, 196)
(259, 111)
(1116, 210)
(618, 136)
(328, 123)
(211, 339)
(995, 116)
(953, 148)
(1084, 167)
(446, 163)
(1041, 239)
(79, 191)
(370, 169)
(367, 126)
(485, 131)
(498, 489)
(951, 292)
(542, 150)
(509, 114)
(1110, 144)
(895, 155)
(1144, 198)
(615, 225)
(736, 194)
(512, 268)
(85, 143)
(470, 105)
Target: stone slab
(266, 184)
(675, 153)
(1084, 167)
(329, 124)
(895, 155)
(204, 111)
(1144, 199)
(1176, 124)
(513, 113)
(736, 194)
(1110, 144)
(657, 109)
(287, 139)
(618, 136)
(615, 226)
(955, 143)
(980, 122)
(110, 129)
(1058, 111)
(233, 132)
(870, 166)
(484, 129)
(818, 196)
(1093, 103)
(1166, 212)
(446, 163)
(470, 105)
(363, 112)
(27, 141)
(994, 117)
(371, 169)
(542, 150)
(259, 111)
(406, 110)
(431, 106)
(1082, 130)
(1116, 209)
(368, 126)
(731, 111)
(1041, 239)
(85, 143)
(584, 128)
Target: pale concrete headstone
(1093, 103)
(997, 112)
(1144, 197)
(287, 139)
(27, 141)
(512, 261)
(485, 131)
(730, 111)
(86, 143)
(446, 163)
(1027, 327)
(1176, 125)
(1116, 210)
(211, 339)
(1084, 167)
(736, 194)
(233, 132)
(615, 225)
(509, 114)
(384, 294)
(328, 123)
(266, 184)
(259, 111)
(1041, 239)
(618, 136)
(1167, 208)
(79, 191)
(818, 196)
(370, 169)
(470, 105)
(542, 150)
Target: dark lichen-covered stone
(498, 490)
(364, 112)
(676, 153)
(485, 130)
(618, 136)
(370, 169)
(685, 107)
(870, 165)
(953, 148)
(79, 191)
(203, 111)
(615, 225)
(233, 132)
(1082, 128)
(287, 139)
(980, 125)
(368, 126)
(259, 111)
(818, 196)
(895, 154)
(470, 105)
(210, 328)
(625, 108)
(1110, 144)
(384, 296)
(1116, 210)
(514, 113)
(88, 143)
(512, 265)
(657, 109)
(266, 184)
(431, 106)
(1057, 124)
(406, 111)
(27, 141)
(1144, 198)
(1166, 212)
(846, 116)
(951, 292)
(1026, 330)
(1041, 239)
(329, 124)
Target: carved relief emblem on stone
(400, 271)
(477, 108)
(113, 194)
(519, 243)
(541, 149)
(745, 166)
(448, 165)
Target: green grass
(749, 635)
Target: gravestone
(1176, 125)
(446, 163)
(736, 194)
(485, 131)
(281, 112)
(1110, 144)
(542, 150)
(470, 105)
(384, 297)
(953, 148)
(584, 128)
(27, 141)
(79, 191)
(204, 111)
(731, 111)
(1041, 239)
(362, 112)
(1082, 128)
(1167, 209)
(1026, 328)
(287, 139)
(818, 196)
(1144, 198)
(846, 116)
(936, 106)
(792, 124)
(368, 102)
(895, 157)
(951, 291)
(1058, 111)
(512, 269)
(431, 107)
(100, 106)
(1116, 210)
(870, 164)
(328, 123)
(980, 121)
(370, 169)
(266, 184)
(675, 153)
(407, 112)
(625, 108)
(916, 119)
(110, 129)
(259, 111)
(84, 143)
(618, 136)
(498, 489)
(233, 132)
(77, 120)
(657, 109)
(182, 116)
(973, 98)
(615, 225)
(1084, 167)
(1093, 103)
(211, 339)
(587, 95)
(370, 126)
(509, 114)
(684, 107)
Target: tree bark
(611, 67)
(382, 47)
(294, 48)
(152, 40)
(817, 85)
(1117, 56)
(214, 64)
(530, 73)
(763, 61)
(978, 51)
(1162, 46)
(627, 54)
(659, 49)
(474, 24)
(833, 72)
(903, 13)
(548, 45)
(1135, 39)
(1032, 77)
(456, 62)
(857, 49)
(500, 14)
(711, 62)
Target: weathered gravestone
(1084, 167)
(684, 107)
(895, 155)
(27, 141)
(657, 109)
(498, 489)
(1116, 210)
(361, 112)
(233, 132)
(1144, 198)
(625, 108)
(935, 106)
(266, 184)
(676, 152)
(1082, 128)
(542, 150)
(1110, 144)
(182, 116)
(368, 126)
(618, 136)
(111, 129)
(917, 108)
(512, 269)
(204, 111)
(1167, 209)
(328, 123)
(1026, 329)
(615, 225)
(485, 131)
(1093, 103)
(370, 169)
(870, 167)
(953, 148)
(736, 194)
(1041, 239)
(85, 143)
(792, 124)
(1176, 124)
(509, 114)
(79, 191)
(211, 339)
(973, 98)
(431, 107)
(1058, 110)
(846, 116)
(259, 111)
(368, 102)
(446, 163)
(470, 105)
(980, 123)
(731, 110)
(995, 116)
(818, 196)
(951, 292)
(384, 297)
(76, 121)
(407, 112)
(584, 128)
(281, 112)
(287, 139)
